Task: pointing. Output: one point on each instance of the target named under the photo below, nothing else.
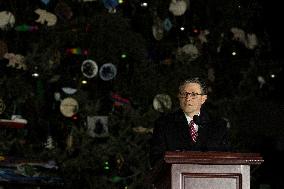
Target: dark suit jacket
(171, 133)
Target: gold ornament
(69, 106)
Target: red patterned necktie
(192, 131)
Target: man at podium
(190, 128)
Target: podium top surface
(216, 158)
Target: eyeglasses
(192, 95)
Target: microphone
(197, 120)
(200, 121)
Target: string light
(106, 165)
(144, 4)
(35, 75)
(272, 75)
(123, 56)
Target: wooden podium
(206, 170)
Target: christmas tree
(82, 81)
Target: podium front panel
(194, 176)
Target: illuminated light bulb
(272, 75)
(84, 82)
(182, 28)
(123, 56)
(120, 1)
(144, 4)
(234, 53)
(106, 167)
(35, 75)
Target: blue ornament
(167, 24)
(45, 1)
(110, 4)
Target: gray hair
(197, 80)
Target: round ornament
(2, 106)
(107, 71)
(69, 90)
(162, 102)
(69, 106)
(89, 68)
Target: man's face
(191, 98)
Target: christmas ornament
(178, 7)
(57, 96)
(251, 41)
(202, 36)
(162, 102)
(16, 61)
(97, 126)
(2, 106)
(69, 90)
(25, 27)
(261, 81)
(7, 19)
(69, 106)
(69, 141)
(110, 5)
(239, 35)
(49, 143)
(118, 100)
(77, 51)
(45, 2)
(89, 68)
(189, 49)
(167, 24)
(3, 49)
(46, 17)
(157, 29)
(107, 71)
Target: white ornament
(249, 40)
(6, 19)
(16, 61)
(162, 102)
(191, 50)
(158, 29)
(108, 71)
(57, 96)
(69, 90)
(202, 36)
(178, 7)
(239, 35)
(261, 81)
(97, 126)
(89, 68)
(46, 17)
(49, 143)
(252, 41)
